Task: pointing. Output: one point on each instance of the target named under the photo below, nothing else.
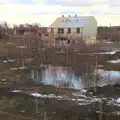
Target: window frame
(52, 30)
(60, 30)
(69, 30)
(78, 30)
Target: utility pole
(36, 103)
(45, 115)
(37, 43)
(96, 64)
(67, 55)
(29, 42)
(95, 81)
(22, 57)
(100, 115)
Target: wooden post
(100, 115)
(22, 57)
(95, 81)
(45, 115)
(29, 43)
(36, 105)
(67, 55)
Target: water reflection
(65, 77)
(58, 76)
(109, 77)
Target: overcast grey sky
(46, 11)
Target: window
(68, 41)
(52, 30)
(60, 30)
(78, 30)
(69, 30)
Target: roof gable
(59, 22)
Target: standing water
(65, 77)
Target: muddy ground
(22, 106)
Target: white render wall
(90, 28)
(73, 32)
(89, 31)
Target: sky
(46, 11)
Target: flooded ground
(65, 77)
(59, 92)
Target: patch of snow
(83, 104)
(10, 60)
(118, 100)
(84, 91)
(36, 95)
(116, 113)
(5, 61)
(83, 96)
(80, 100)
(114, 61)
(95, 100)
(12, 69)
(51, 96)
(46, 96)
(3, 80)
(43, 66)
(73, 99)
(111, 53)
(29, 59)
(59, 97)
(76, 94)
(17, 91)
(90, 93)
(22, 68)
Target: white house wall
(49, 30)
(73, 32)
(90, 28)
(90, 31)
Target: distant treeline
(5, 28)
(103, 33)
(108, 33)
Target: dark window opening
(68, 41)
(69, 30)
(78, 30)
(52, 30)
(60, 30)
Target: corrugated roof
(69, 22)
(59, 22)
(75, 22)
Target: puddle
(109, 77)
(64, 77)
(57, 76)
